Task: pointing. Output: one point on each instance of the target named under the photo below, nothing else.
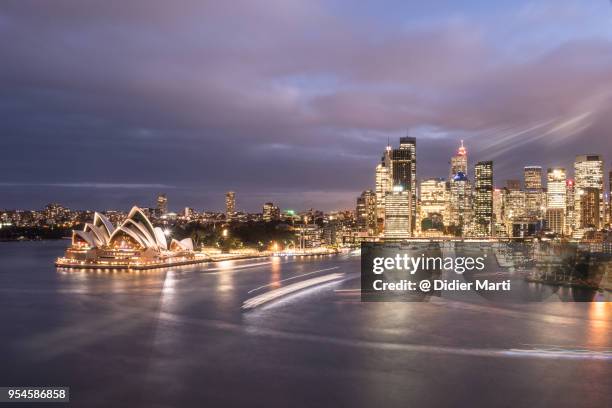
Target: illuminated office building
(398, 222)
(609, 200)
(534, 198)
(514, 200)
(570, 204)
(366, 212)
(162, 205)
(458, 162)
(433, 203)
(556, 198)
(498, 211)
(588, 174)
(270, 212)
(483, 199)
(403, 171)
(230, 205)
(460, 203)
(459, 208)
(533, 177)
(589, 216)
(383, 186)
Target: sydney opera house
(134, 244)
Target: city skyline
(159, 200)
(159, 192)
(167, 91)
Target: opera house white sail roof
(135, 232)
(133, 244)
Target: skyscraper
(230, 204)
(498, 211)
(588, 173)
(433, 197)
(397, 214)
(459, 209)
(403, 171)
(556, 197)
(459, 162)
(383, 186)
(589, 204)
(533, 177)
(514, 203)
(270, 212)
(483, 199)
(460, 203)
(533, 192)
(366, 212)
(433, 203)
(570, 204)
(162, 205)
(610, 198)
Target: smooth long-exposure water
(179, 338)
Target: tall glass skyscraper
(383, 185)
(162, 205)
(397, 214)
(556, 197)
(483, 199)
(230, 204)
(403, 171)
(460, 194)
(459, 162)
(570, 204)
(534, 198)
(588, 174)
(366, 212)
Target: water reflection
(599, 324)
(275, 272)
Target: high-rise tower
(459, 162)
(460, 192)
(366, 212)
(483, 199)
(403, 171)
(230, 204)
(570, 203)
(556, 198)
(588, 174)
(397, 214)
(383, 185)
(162, 205)
(534, 199)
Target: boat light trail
(275, 294)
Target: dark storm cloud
(286, 99)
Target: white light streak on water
(291, 278)
(275, 294)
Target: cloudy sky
(106, 103)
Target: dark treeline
(33, 233)
(249, 234)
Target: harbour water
(180, 337)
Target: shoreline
(127, 267)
